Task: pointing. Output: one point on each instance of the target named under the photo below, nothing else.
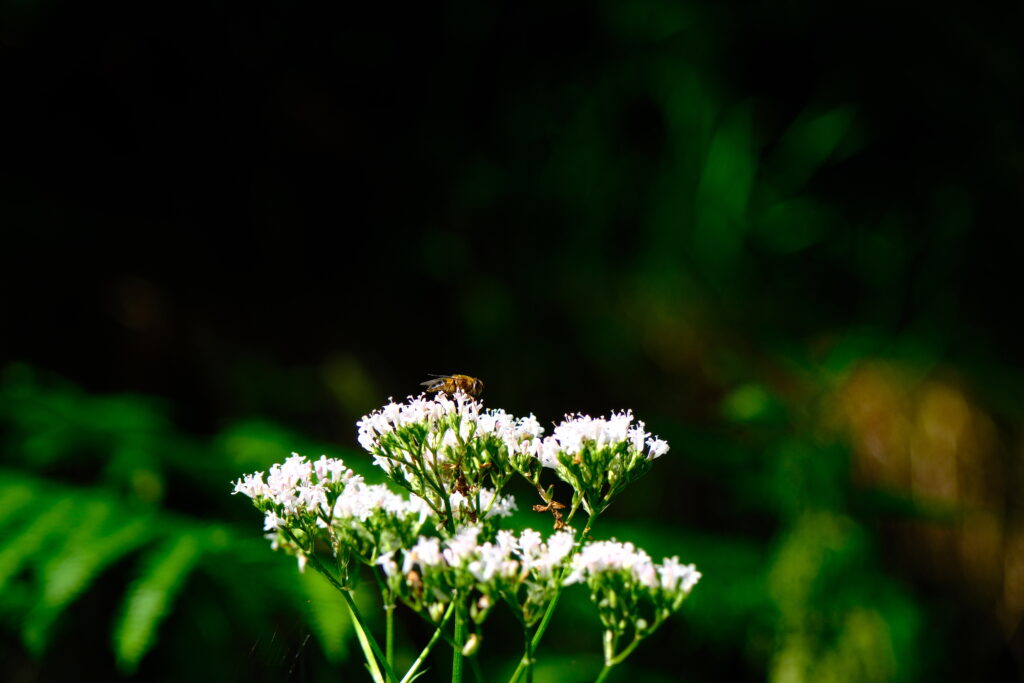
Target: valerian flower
(599, 457)
(439, 547)
(629, 588)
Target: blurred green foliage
(120, 537)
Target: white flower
(559, 546)
(676, 576)
(658, 448)
(496, 506)
(298, 485)
(251, 485)
(271, 521)
(426, 553)
(578, 432)
(462, 547)
(388, 564)
(529, 542)
(506, 541)
(360, 501)
(543, 558)
(493, 560)
(547, 452)
(601, 557)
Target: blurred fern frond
(69, 538)
(87, 531)
(162, 575)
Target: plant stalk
(430, 645)
(389, 640)
(460, 640)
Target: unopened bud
(471, 646)
(436, 611)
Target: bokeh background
(787, 234)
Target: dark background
(786, 234)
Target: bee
(449, 384)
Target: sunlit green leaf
(162, 576)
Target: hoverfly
(449, 384)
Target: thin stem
(604, 673)
(389, 641)
(364, 644)
(613, 660)
(537, 635)
(451, 525)
(430, 645)
(621, 657)
(373, 642)
(474, 663)
(447, 638)
(460, 640)
(528, 654)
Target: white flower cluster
(611, 557)
(361, 501)
(326, 493)
(508, 558)
(578, 432)
(298, 485)
(428, 426)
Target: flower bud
(436, 611)
(472, 645)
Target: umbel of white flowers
(429, 444)
(441, 543)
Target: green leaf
(92, 545)
(15, 497)
(19, 548)
(163, 574)
(724, 192)
(808, 144)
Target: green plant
(456, 562)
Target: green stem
(447, 638)
(389, 641)
(369, 636)
(460, 640)
(478, 675)
(430, 646)
(528, 654)
(604, 673)
(369, 646)
(537, 635)
(611, 661)
(364, 644)
(621, 657)
(451, 527)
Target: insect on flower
(449, 384)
